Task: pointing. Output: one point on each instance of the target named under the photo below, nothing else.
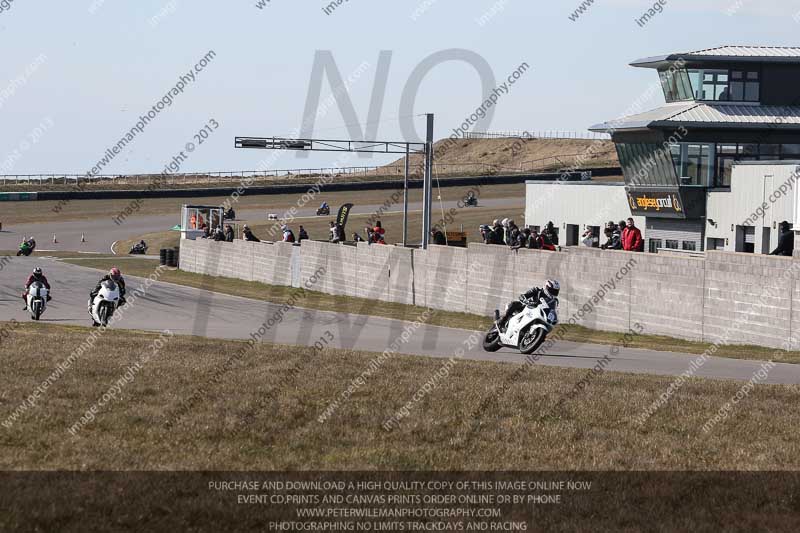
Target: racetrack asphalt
(101, 233)
(190, 311)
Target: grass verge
(263, 413)
(328, 302)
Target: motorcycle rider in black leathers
(113, 275)
(549, 292)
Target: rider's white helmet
(552, 288)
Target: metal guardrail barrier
(556, 134)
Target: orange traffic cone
(55, 241)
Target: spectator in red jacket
(632, 238)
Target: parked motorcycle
(38, 295)
(104, 305)
(526, 330)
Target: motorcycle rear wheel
(531, 340)
(491, 341)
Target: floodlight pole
(405, 200)
(427, 184)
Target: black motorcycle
(471, 201)
(323, 211)
(138, 249)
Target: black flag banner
(341, 216)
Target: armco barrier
(18, 196)
(725, 298)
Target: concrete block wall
(724, 297)
(667, 295)
(492, 278)
(444, 284)
(748, 298)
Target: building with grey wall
(724, 106)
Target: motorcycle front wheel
(491, 341)
(531, 340)
(102, 314)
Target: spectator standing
(785, 240)
(379, 229)
(302, 235)
(521, 240)
(588, 239)
(228, 233)
(513, 233)
(335, 237)
(248, 234)
(485, 231)
(438, 237)
(496, 233)
(549, 235)
(632, 238)
(288, 235)
(614, 239)
(535, 241)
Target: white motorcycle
(526, 330)
(104, 305)
(37, 299)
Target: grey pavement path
(190, 311)
(100, 234)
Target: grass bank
(264, 413)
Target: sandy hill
(497, 156)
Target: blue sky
(101, 70)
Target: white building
(743, 218)
(574, 206)
(746, 218)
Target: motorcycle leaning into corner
(526, 330)
(139, 248)
(105, 303)
(37, 298)
(26, 248)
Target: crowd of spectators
(619, 236)
(622, 236)
(506, 232)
